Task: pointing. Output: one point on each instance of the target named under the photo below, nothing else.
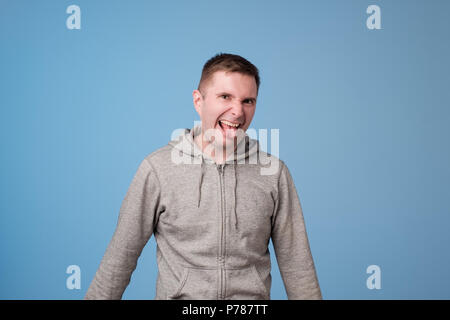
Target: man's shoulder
(160, 155)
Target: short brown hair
(229, 63)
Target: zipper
(220, 168)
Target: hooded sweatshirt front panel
(212, 224)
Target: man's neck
(203, 144)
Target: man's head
(227, 91)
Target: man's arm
(134, 228)
(291, 243)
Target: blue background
(363, 118)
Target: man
(212, 207)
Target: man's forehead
(232, 82)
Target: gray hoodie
(212, 224)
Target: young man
(212, 207)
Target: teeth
(230, 123)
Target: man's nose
(237, 109)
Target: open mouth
(227, 125)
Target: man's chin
(234, 137)
(225, 140)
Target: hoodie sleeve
(134, 228)
(291, 244)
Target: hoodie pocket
(245, 284)
(195, 284)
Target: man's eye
(225, 96)
(248, 101)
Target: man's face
(229, 97)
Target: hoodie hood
(247, 148)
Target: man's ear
(198, 101)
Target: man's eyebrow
(229, 94)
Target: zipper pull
(220, 168)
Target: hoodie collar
(246, 148)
